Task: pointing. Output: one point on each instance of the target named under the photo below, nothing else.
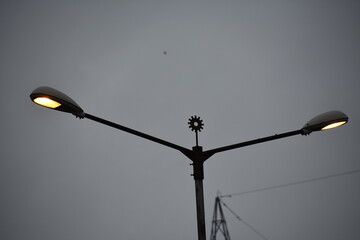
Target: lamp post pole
(197, 156)
(54, 99)
(198, 165)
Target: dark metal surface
(140, 134)
(256, 141)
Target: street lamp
(54, 99)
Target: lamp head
(54, 99)
(325, 121)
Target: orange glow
(47, 102)
(333, 125)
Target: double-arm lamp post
(54, 99)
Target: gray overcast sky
(250, 69)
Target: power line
(275, 187)
(291, 184)
(242, 220)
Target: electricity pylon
(218, 222)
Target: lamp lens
(333, 125)
(47, 102)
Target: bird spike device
(196, 124)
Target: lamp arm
(140, 134)
(211, 152)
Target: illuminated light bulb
(333, 125)
(47, 102)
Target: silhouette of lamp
(56, 100)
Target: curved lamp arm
(251, 142)
(54, 99)
(324, 121)
(137, 133)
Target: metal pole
(199, 193)
(198, 164)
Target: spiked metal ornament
(195, 123)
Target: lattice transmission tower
(219, 222)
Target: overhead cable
(291, 184)
(242, 220)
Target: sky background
(249, 69)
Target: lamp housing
(54, 99)
(325, 121)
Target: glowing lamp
(325, 121)
(54, 99)
(47, 102)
